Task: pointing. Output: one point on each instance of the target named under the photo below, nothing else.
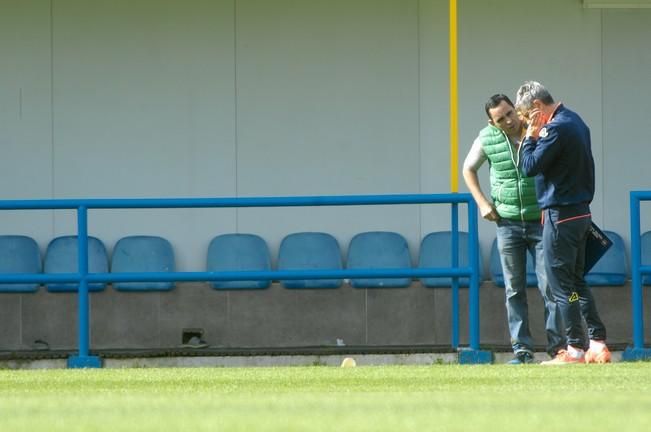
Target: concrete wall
(280, 317)
(153, 98)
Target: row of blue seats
(231, 252)
(298, 251)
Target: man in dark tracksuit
(557, 151)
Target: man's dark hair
(494, 101)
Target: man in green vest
(513, 207)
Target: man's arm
(474, 160)
(538, 153)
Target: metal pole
(455, 280)
(454, 97)
(82, 259)
(474, 278)
(636, 285)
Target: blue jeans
(564, 237)
(514, 240)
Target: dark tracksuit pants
(565, 233)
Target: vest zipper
(515, 161)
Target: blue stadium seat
(379, 250)
(239, 252)
(611, 269)
(141, 253)
(496, 268)
(435, 251)
(645, 258)
(310, 251)
(19, 254)
(61, 257)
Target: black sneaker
(522, 357)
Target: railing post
(474, 278)
(637, 352)
(455, 280)
(636, 282)
(474, 354)
(83, 359)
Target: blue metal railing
(83, 359)
(637, 269)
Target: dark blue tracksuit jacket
(561, 159)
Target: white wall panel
(144, 107)
(25, 120)
(627, 68)
(328, 104)
(435, 115)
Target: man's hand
(489, 212)
(536, 121)
(486, 208)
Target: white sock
(575, 352)
(597, 346)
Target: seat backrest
(611, 269)
(19, 254)
(310, 251)
(61, 257)
(645, 258)
(142, 253)
(435, 251)
(378, 250)
(239, 252)
(497, 274)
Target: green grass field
(387, 398)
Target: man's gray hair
(528, 92)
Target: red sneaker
(563, 358)
(603, 356)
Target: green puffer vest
(514, 195)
